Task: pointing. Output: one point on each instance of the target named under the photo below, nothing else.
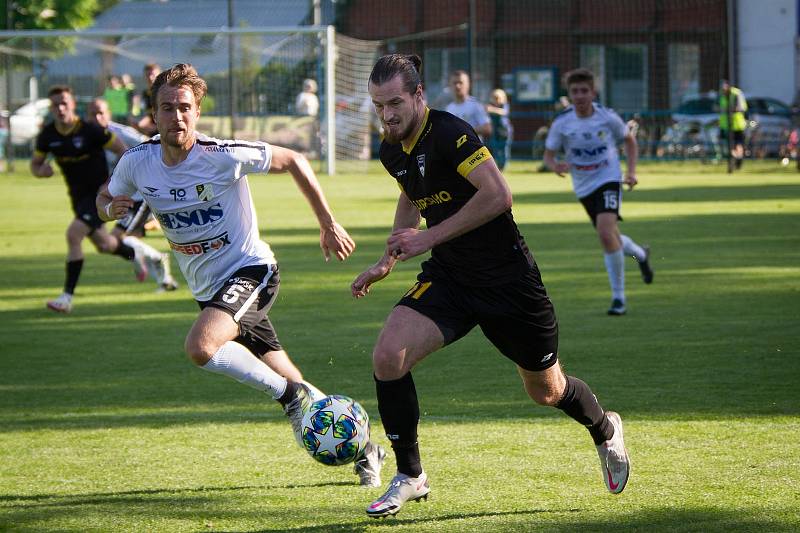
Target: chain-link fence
(271, 84)
(658, 63)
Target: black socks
(399, 409)
(579, 403)
(73, 273)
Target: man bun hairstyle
(579, 75)
(407, 66)
(182, 74)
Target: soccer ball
(335, 430)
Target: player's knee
(199, 352)
(105, 246)
(388, 364)
(543, 395)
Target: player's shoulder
(144, 149)
(564, 115)
(214, 145)
(444, 122)
(606, 112)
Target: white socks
(148, 251)
(237, 362)
(615, 266)
(631, 248)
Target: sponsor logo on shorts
(461, 140)
(201, 247)
(547, 357)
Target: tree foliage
(51, 14)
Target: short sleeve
(618, 128)
(254, 157)
(553, 141)
(481, 115)
(41, 144)
(121, 181)
(459, 143)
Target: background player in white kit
(197, 188)
(589, 133)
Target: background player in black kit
(480, 273)
(78, 149)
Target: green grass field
(106, 426)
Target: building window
(621, 74)
(684, 72)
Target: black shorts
(85, 210)
(133, 223)
(607, 198)
(518, 318)
(738, 137)
(247, 296)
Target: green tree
(50, 14)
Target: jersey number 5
(232, 294)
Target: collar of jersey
(419, 132)
(72, 129)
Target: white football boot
(62, 304)
(614, 457)
(401, 489)
(369, 466)
(296, 408)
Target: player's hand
(334, 238)
(45, 170)
(630, 180)
(561, 168)
(405, 243)
(361, 285)
(119, 206)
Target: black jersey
(80, 155)
(433, 176)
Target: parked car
(27, 121)
(769, 122)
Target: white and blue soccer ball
(335, 430)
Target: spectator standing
(500, 137)
(467, 107)
(307, 102)
(117, 97)
(732, 106)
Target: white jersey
(130, 137)
(470, 111)
(590, 145)
(203, 204)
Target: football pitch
(106, 426)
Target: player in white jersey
(197, 188)
(130, 228)
(588, 133)
(467, 107)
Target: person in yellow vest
(733, 104)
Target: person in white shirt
(467, 107)
(588, 133)
(198, 189)
(307, 102)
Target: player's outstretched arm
(333, 238)
(112, 207)
(406, 217)
(559, 167)
(631, 148)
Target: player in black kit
(480, 273)
(78, 149)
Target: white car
(26, 122)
